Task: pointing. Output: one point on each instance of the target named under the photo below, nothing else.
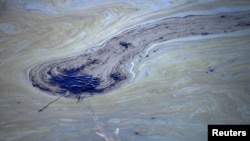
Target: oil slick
(99, 71)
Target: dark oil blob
(125, 44)
(76, 83)
(117, 76)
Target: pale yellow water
(171, 95)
